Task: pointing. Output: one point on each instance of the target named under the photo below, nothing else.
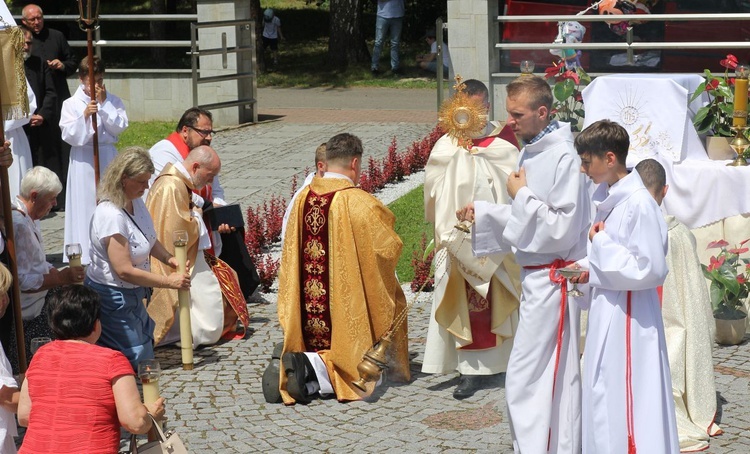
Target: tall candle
(149, 371)
(739, 118)
(186, 335)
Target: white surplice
(80, 199)
(454, 177)
(164, 152)
(628, 255)
(19, 146)
(688, 327)
(547, 221)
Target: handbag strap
(161, 438)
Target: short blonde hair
(130, 162)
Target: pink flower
(742, 243)
(717, 244)
(571, 75)
(739, 251)
(730, 62)
(715, 264)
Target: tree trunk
(256, 14)
(346, 43)
(158, 31)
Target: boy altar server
(627, 401)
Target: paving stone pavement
(219, 407)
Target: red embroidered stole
(230, 287)
(315, 305)
(480, 318)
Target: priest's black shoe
(298, 370)
(270, 382)
(467, 386)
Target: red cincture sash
(480, 319)
(555, 277)
(629, 378)
(314, 272)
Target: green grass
(145, 133)
(410, 225)
(303, 64)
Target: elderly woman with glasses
(123, 241)
(38, 194)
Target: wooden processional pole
(89, 23)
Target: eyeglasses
(203, 132)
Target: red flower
(553, 70)
(730, 62)
(717, 244)
(742, 243)
(713, 84)
(741, 279)
(715, 264)
(570, 75)
(739, 251)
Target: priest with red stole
(475, 301)
(338, 291)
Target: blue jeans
(126, 326)
(391, 26)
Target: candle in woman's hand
(739, 118)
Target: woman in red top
(76, 394)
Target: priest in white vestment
(475, 300)
(545, 226)
(78, 130)
(627, 403)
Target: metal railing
(629, 46)
(245, 39)
(100, 44)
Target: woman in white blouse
(38, 194)
(122, 241)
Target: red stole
(206, 193)
(480, 318)
(315, 307)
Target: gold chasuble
(338, 292)
(170, 204)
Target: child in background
(77, 130)
(272, 33)
(688, 325)
(627, 403)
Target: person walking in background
(272, 34)
(78, 131)
(52, 48)
(389, 21)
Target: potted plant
(715, 118)
(730, 286)
(568, 103)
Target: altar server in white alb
(688, 325)
(78, 131)
(627, 387)
(546, 226)
(474, 303)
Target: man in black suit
(52, 48)
(41, 128)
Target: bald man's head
(33, 17)
(203, 164)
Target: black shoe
(467, 386)
(397, 72)
(296, 369)
(375, 71)
(270, 381)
